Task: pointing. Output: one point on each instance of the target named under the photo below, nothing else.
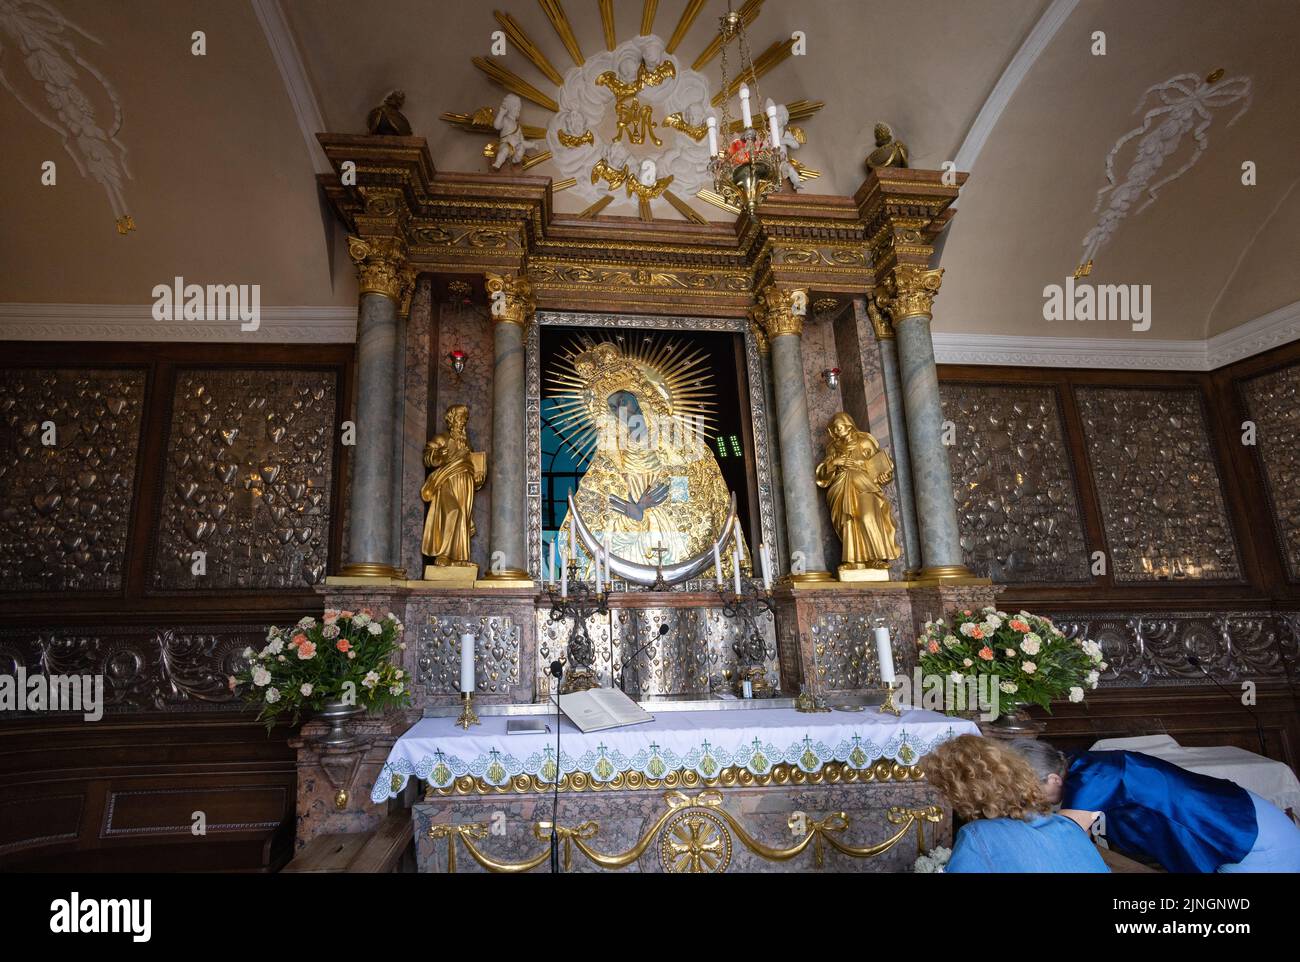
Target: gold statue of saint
(852, 474)
(635, 413)
(456, 473)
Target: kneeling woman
(1186, 821)
(1010, 826)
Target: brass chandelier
(747, 167)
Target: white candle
(745, 115)
(595, 563)
(551, 571)
(712, 121)
(564, 575)
(717, 566)
(735, 565)
(772, 126)
(885, 655)
(573, 544)
(609, 576)
(740, 541)
(767, 567)
(466, 663)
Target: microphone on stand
(556, 672)
(1195, 662)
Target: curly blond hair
(984, 779)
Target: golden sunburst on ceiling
(634, 117)
(671, 381)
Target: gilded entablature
(504, 223)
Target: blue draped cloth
(1186, 821)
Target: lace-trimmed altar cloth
(437, 752)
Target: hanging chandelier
(748, 167)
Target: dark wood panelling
(1263, 585)
(120, 794)
(161, 361)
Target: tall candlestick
(717, 566)
(466, 663)
(772, 126)
(745, 115)
(885, 655)
(712, 122)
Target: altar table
(437, 751)
(756, 789)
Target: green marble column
(511, 302)
(803, 519)
(371, 547)
(936, 510)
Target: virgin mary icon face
(625, 408)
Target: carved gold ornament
(567, 139)
(782, 311)
(854, 474)
(831, 773)
(645, 77)
(911, 291)
(380, 263)
(696, 837)
(637, 121)
(677, 122)
(695, 841)
(510, 298)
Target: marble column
(783, 320)
(380, 269)
(898, 435)
(914, 290)
(511, 300)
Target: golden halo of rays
(683, 369)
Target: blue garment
(1048, 843)
(1276, 848)
(1186, 821)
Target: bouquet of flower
(346, 657)
(1034, 663)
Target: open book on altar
(597, 709)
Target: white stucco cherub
(512, 145)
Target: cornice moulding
(1274, 329)
(135, 322)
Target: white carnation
(1092, 678)
(306, 689)
(375, 628)
(371, 679)
(275, 647)
(330, 631)
(1029, 667)
(272, 695)
(1076, 694)
(1031, 644)
(951, 641)
(261, 677)
(1010, 687)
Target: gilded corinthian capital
(511, 298)
(782, 312)
(381, 265)
(911, 291)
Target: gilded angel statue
(853, 474)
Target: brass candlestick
(467, 715)
(888, 704)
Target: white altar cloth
(436, 751)
(1265, 777)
